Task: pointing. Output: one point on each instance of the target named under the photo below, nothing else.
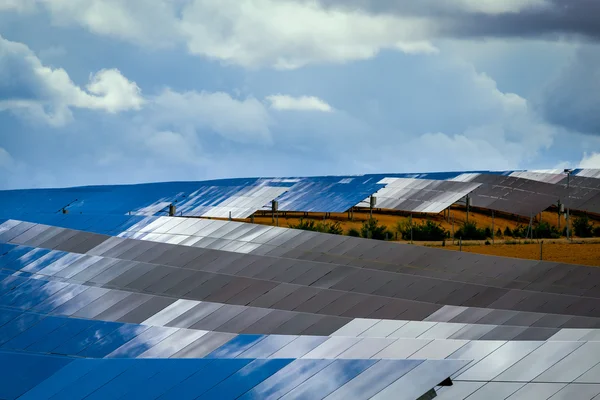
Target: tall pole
(493, 231)
(411, 229)
(559, 205)
(568, 206)
(468, 204)
(452, 228)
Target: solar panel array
(327, 194)
(515, 192)
(420, 195)
(512, 195)
(583, 192)
(119, 306)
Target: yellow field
(585, 253)
(578, 252)
(457, 216)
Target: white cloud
(34, 90)
(302, 103)
(17, 5)
(6, 160)
(496, 6)
(113, 92)
(591, 160)
(289, 34)
(175, 147)
(240, 120)
(132, 20)
(284, 34)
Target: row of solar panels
(351, 283)
(90, 295)
(521, 193)
(40, 292)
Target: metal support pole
(468, 206)
(568, 206)
(542, 250)
(274, 211)
(411, 229)
(559, 215)
(493, 227)
(453, 229)
(230, 215)
(460, 243)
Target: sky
(128, 91)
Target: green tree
(353, 232)
(425, 231)
(470, 231)
(582, 227)
(325, 227)
(372, 230)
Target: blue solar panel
(61, 379)
(174, 372)
(286, 379)
(103, 373)
(136, 377)
(236, 346)
(22, 372)
(64, 340)
(94, 332)
(34, 333)
(123, 199)
(205, 379)
(113, 341)
(18, 325)
(245, 379)
(328, 194)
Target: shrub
(488, 232)
(499, 232)
(597, 231)
(354, 232)
(425, 231)
(520, 231)
(508, 232)
(372, 230)
(309, 225)
(335, 228)
(582, 227)
(470, 231)
(546, 231)
(325, 227)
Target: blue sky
(109, 91)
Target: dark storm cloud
(570, 17)
(556, 18)
(572, 100)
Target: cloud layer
(192, 90)
(34, 90)
(302, 103)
